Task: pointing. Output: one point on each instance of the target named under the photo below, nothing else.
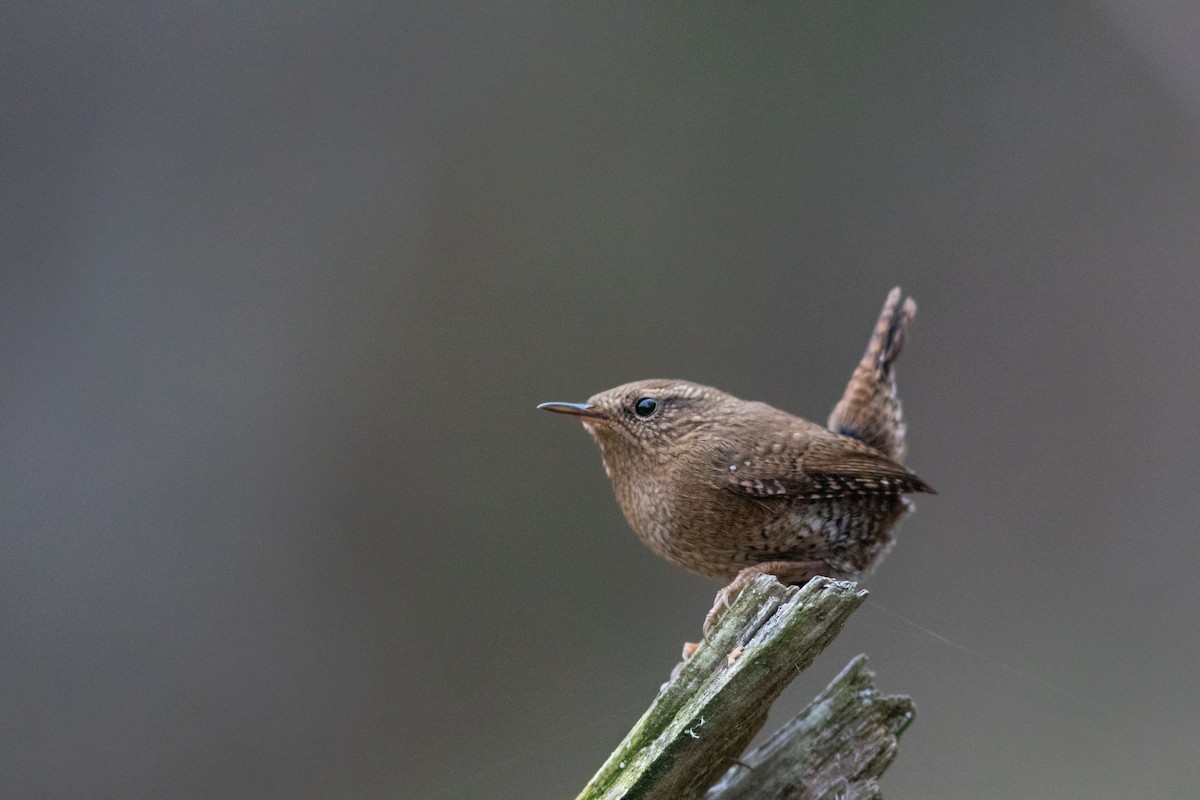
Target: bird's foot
(793, 573)
(726, 597)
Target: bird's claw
(721, 603)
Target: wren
(730, 488)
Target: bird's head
(646, 421)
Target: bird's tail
(870, 408)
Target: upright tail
(870, 408)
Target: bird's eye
(645, 406)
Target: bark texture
(695, 731)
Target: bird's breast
(700, 527)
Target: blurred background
(282, 285)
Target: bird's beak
(575, 409)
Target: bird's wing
(826, 467)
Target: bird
(730, 489)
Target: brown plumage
(729, 488)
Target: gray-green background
(282, 284)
